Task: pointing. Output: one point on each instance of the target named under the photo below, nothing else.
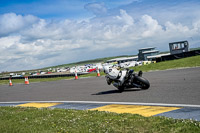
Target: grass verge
(19, 119)
(14, 81)
(173, 64)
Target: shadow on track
(115, 91)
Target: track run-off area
(173, 93)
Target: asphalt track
(181, 86)
(173, 93)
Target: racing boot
(140, 73)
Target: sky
(42, 33)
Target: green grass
(173, 64)
(14, 81)
(45, 120)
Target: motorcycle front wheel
(144, 83)
(121, 88)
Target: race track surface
(180, 86)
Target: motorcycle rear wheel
(144, 83)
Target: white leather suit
(115, 74)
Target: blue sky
(56, 9)
(41, 33)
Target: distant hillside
(93, 61)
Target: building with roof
(178, 47)
(145, 52)
(123, 59)
(154, 57)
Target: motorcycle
(124, 79)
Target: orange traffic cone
(76, 76)
(10, 82)
(26, 80)
(98, 73)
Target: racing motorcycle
(124, 79)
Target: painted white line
(100, 102)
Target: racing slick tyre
(108, 81)
(144, 83)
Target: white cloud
(11, 23)
(125, 17)
(96, 8)
(6, 42)
(29, 42)
(196, 25)
(171, 27)
(151, 26)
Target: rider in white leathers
(114, 74)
